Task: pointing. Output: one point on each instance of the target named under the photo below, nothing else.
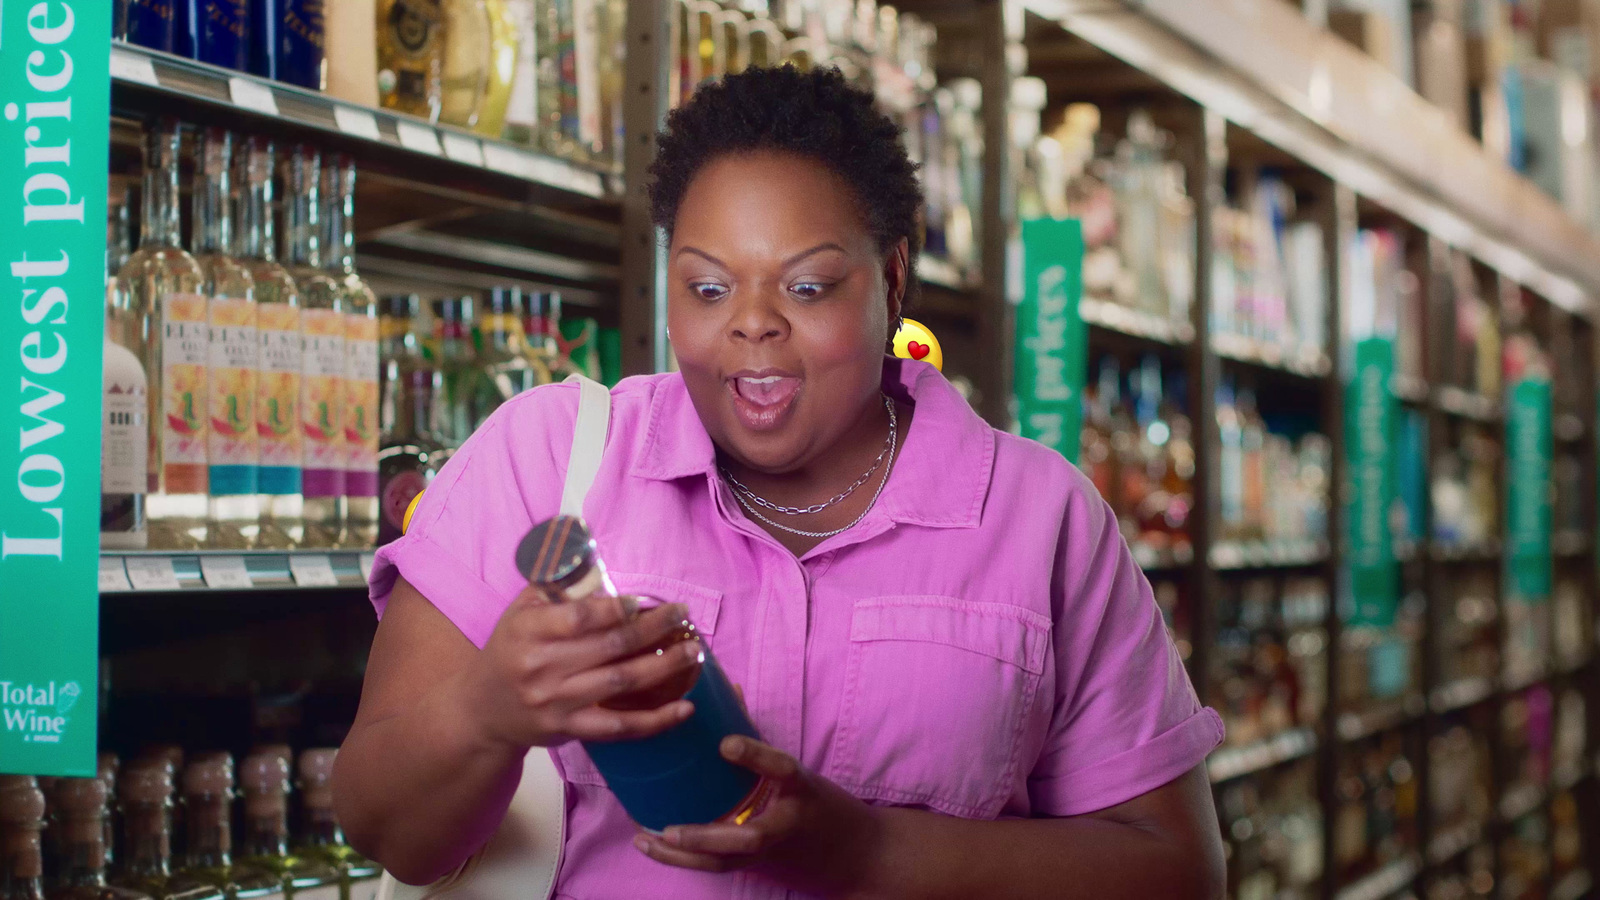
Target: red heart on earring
(917, 350)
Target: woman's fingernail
(672, 836)
(685, 709)
(694, 651)
(642, 842)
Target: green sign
(1052, 343)
(1528, 450)
(54, 140)
(1371, 413)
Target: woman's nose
(756, 319)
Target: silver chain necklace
(893, 440)
(757, 499)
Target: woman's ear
(896, 278)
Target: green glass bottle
(81, 807)
(145, 796)
(321, 836)
(207, 795)
(264, 778)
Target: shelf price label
(463, 149)
(1528, 522)
(357, 122)
(1052, 342)
(312, 570)
(152, 573)
(113, 577)
(128, 65)
(55, 86)
(1371, 416)
(225, 573)
(252, 95)
(418, 138)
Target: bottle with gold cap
(81, 808)
(21, 822)
(207, 798)
(144, 794)
(264, 779)
(321, 836)
(508, 368)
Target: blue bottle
(677, 777)
(222, 33)
(292, 40)
(153, 24)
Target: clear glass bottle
(503, 46)
(1095, 450)
(265, 781)
(508, 367)
(278, 327)
(468, 52)
(542, 327)
(458, 365)
(207, 796)
(522, 106)
(124, 401)
(1230, 465)
(21, 853)
(232, 451)
(554, 29)
(321, 837)
(322, 328)
(145, 797)
(161, 288)
(1254, 468)
(81, 807)
(411, 452)
(411, 56)
(361, 356)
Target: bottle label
(278, 386)
(185, 347)
(523, 108)
(361, 405)
(567, 67)
(586, 77)
(125, 424)
(414, 25)
(233, 355)
(322, 349)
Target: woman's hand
(547, 667)
(811, 835)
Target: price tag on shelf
(419, 138)
(152, 573)
(357, 122)
(563, 175)
(113, 577)
(366, 566)
(463, 149)
(129, 66)
(312, 571)
(252, 95)
(225, 573)
(508, 160)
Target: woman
(963, 682)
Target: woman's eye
(708, 290)
(807, 290)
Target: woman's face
(779, 305)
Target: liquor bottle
(145, 795)
(411, 56)
(612, 24)
(232, 449)
(350, 28)
(207, 794)
(21, 821)
(1155, 436)
(222, 32)
(1095, 451)
(1139, 209)
(586, 72)
(508, 367)
(411, 452)
(125, 404)
(468, 52)
(503, 47)
(265, 780)
(298, 42)
(542, 325)
(1230, 459)
(458, 364)
(522, 106)
(321, 836)
(107, 767)
(1134, 462)
(161, 286)
(555, 47)
(322, 328)
(153, 24)
(81, 808)
(278, 328)
(360, 393)
(1253, 445)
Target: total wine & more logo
(38, 713)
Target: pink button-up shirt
(980, 645)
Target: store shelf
(1568, 428)
(940, 273)
(1569, 544)
(1467, 405)
(274, 105)
(1389, 880)
(1152, 559)
(1460, 694)
(1478, 552)
(1238, 555)
(1521, 800)
(1574, 885)
(1450, 843)
(1135, 323)
(1306, 362)
(163, 572)
(1386, 716)
(1410, 389)
(1236, 762)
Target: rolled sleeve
(1126, 719)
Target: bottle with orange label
(360, 355)
(233, 513)
(278, 329)
(322, 357)
(161, 284)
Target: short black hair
(815, 114)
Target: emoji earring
(913, 340)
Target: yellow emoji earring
(915, 341)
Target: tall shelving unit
(1242, 85)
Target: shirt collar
(942, 468)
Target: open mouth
(763, 399)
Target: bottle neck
(147, 849)
(159, 216)
(455, 340)
(322, 828)
(541, 330)
(503, 332)
(397, 338)
(339, 234)
(304, 246)
(256, 227)
(213, 224)
(266, 834)
(210, 835)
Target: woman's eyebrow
(703, 255)
(812, 252)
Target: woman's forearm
(419, 792)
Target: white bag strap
(588, 443)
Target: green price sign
(54, 139)
(1370, 426)
(1528, 451)
(1052, 343)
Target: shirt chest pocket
(937, 693)
(704, 604)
